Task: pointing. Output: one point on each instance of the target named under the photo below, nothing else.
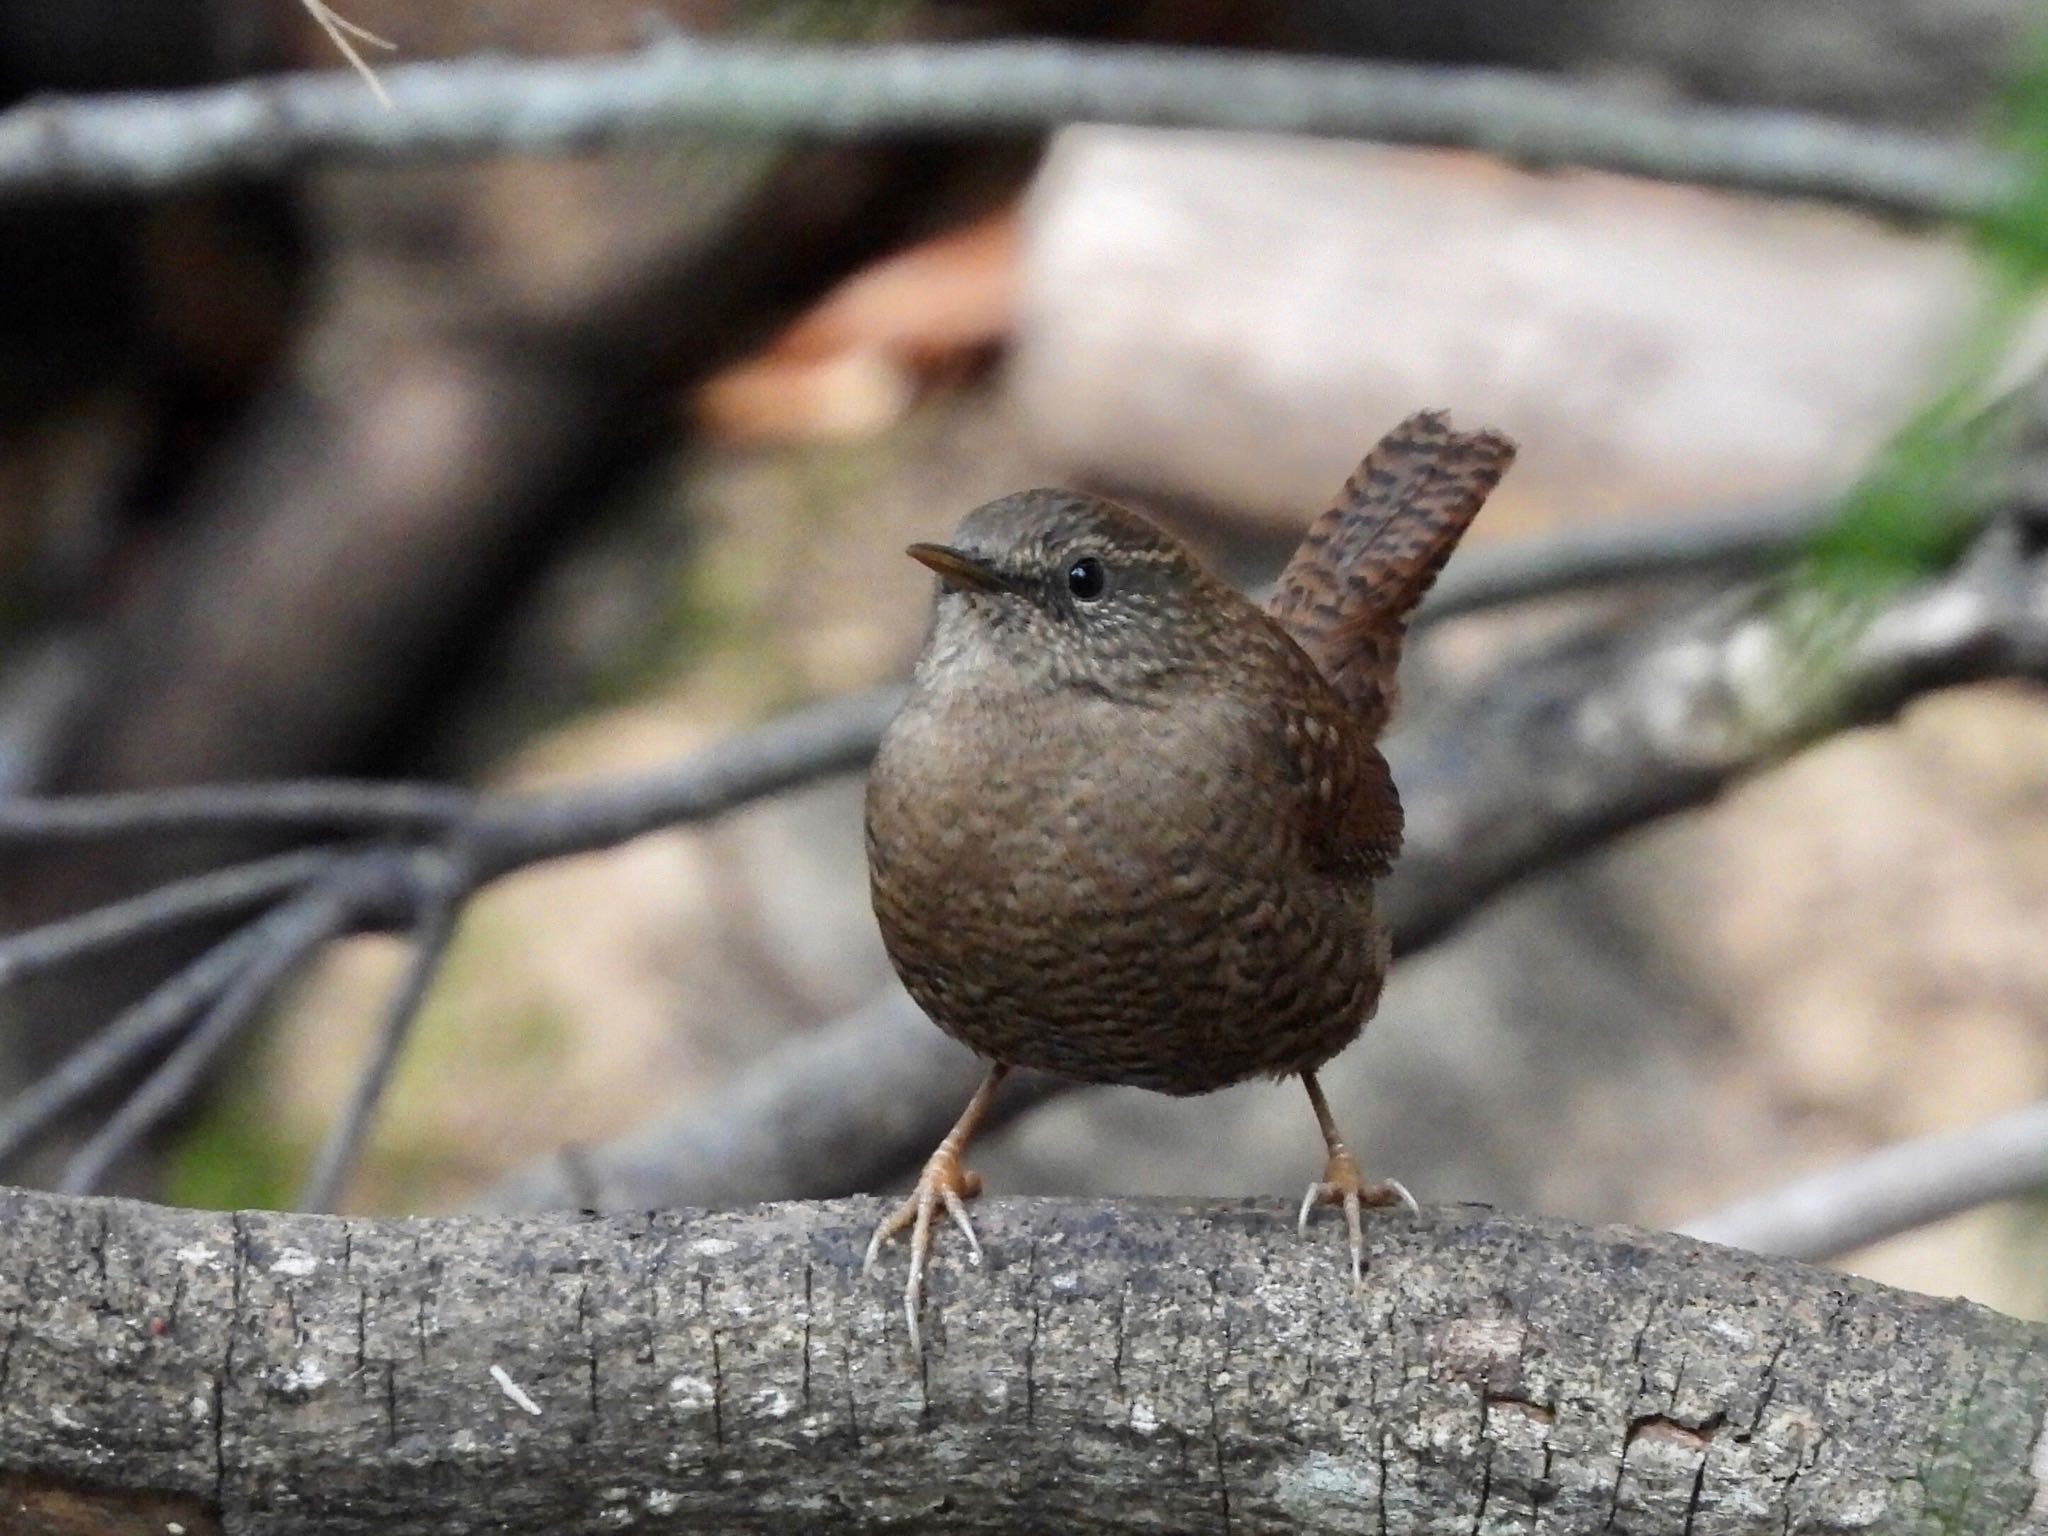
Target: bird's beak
(959, 570)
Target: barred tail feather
(1365, 563)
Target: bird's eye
(1085, 578)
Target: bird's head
(1066, 590)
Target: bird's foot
(1343, 1184)
(946, 1185)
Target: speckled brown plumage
(1127, 824)
(1365, 563)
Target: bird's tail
(1346, 595)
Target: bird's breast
(1111, 891)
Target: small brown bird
(1127, 824)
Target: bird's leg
(942, 1183)
(1343, 1184)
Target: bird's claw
(943, 1184)
(1343, 1184)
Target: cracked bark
(1145, 1365)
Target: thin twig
(512, 831)
(340, 30)
(290, 935)
(496, 837)
(1898, 1189)
(431, 935)
(132, 1035)
(1526, 570)
(499, 106)
(211, 894)
(302, 804)
(837, 736)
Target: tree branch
(466, 842)
(146, 142)
(301, 805)
(810, 743)
(1177, 1366)
(433, 931)
(212, 893)
(1587, 559)
(1897, 1189)
(838, 736)
(291, 935)
(1561, 751)
(138, 1030)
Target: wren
(1127, 825)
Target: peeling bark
(1139, 1366)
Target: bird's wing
(1350, 810)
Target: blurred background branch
(323, 892)
(1914, 1184)
(680, 85)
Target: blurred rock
(1239, 317)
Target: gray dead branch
(495, 106)
(1187, 1367)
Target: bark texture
(1158, 1366)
